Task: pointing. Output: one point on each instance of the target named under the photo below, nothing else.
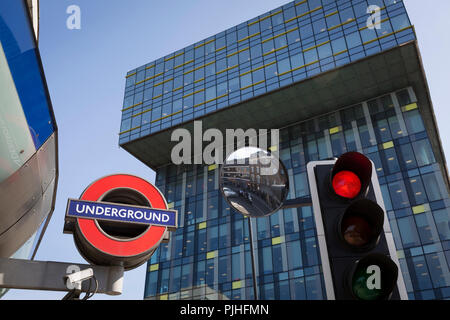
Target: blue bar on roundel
(121, 212)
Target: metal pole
(255, 290)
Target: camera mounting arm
(60, 276)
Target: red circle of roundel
(122, 248)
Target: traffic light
(357, 250)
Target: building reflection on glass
(254, 182)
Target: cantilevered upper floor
(286, 45)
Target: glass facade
(209, 255)
(288, 44)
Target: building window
(442, 218)
(294, 255)
(314, 287)
(266, 261)
(427, 228)
(267, 292)
(398, 194)
(298, 289)
(418, 194)
(413, 121)
(408, 232)
(420, 276)
(353, 40)
(400, 22)
(435, 190)
(423, 152)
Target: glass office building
(333, 80)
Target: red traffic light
(346, 184)
(351, 175)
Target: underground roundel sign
(119, 220)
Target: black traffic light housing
(352, 230)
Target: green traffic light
(360, 286)
(374, 277)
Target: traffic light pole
(250, 234)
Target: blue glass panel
(17, 40)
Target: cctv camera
(80, 275)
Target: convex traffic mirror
(254, 182)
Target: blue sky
(85, 72)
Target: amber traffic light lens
(346, 184)
(356, 231)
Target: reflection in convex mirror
(254, 182)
